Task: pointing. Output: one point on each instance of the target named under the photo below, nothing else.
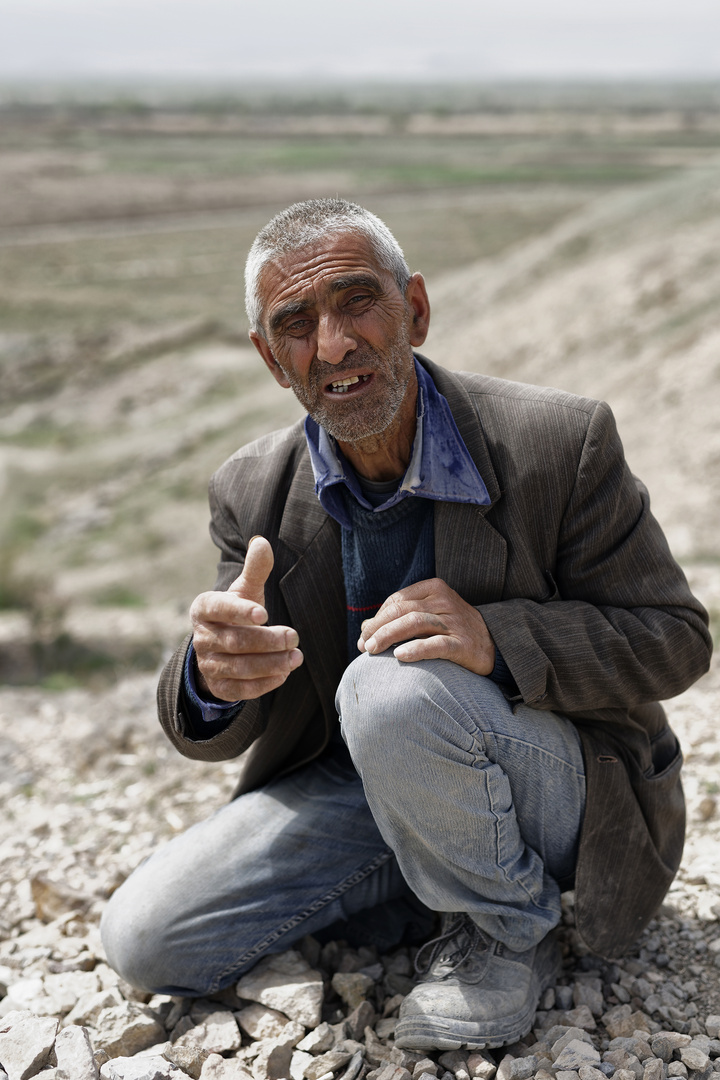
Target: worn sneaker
(474, 991)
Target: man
(465, 571)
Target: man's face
(340, 334)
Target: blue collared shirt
(440, 468)
(440, 465)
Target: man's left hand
(433, 623)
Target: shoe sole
(425, 1032)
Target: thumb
(250, 585)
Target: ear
(417, 297)
(266, 352)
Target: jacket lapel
(470, 555)
(313, 587)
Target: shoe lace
(469, 938)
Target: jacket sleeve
(622, 627)
(219, 740)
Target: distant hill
(621, 301)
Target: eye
(298, 327)
(359, 300)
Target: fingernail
(258, 615)
(291, 639)
(296, 659)
(370, 645)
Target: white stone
(326, 1063)
(694, 1058)
(260, 1022)
(712, 1026)
(353, 987)
(140, 1068)
(25, 1044)
(319, 1040)
(298, 1063)
(74, 1053)
(89, 1006)
(127, 1029)
(220, 1068)
(287, 983)
(218, 1033)
(68, 987)
(575, 1054)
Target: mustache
(366, 358)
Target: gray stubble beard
(354, 425)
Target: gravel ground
(90, 787)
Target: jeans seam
(290, 924)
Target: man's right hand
(238, 657)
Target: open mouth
(342, 386)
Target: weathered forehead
(308, 273)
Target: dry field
(570, 241)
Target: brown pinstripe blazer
(578, 588)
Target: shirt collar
(440, 465)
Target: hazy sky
(434, 39)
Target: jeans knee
(134, 935)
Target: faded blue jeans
(451, 797)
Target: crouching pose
(443, 618)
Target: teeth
(340, 385)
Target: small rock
(53, 899)
(481, 1067)
(676, 1068)
(353, 987)
(589, 993)
(360, 1018)
(355, 1065)
(140, 1068)
(25, 1043)
(376, 1052)
(663, 1043)
(567, 1037)
(127, 1029)
(220, 1068)
(653, 1069)
(423, 1067)
(74, 1054)
(639, 1047)
(589, 1072)
(260, 1022)
(287, 983)
(523, 1068)
(218, 1034)
(298, 1063)
(575, 1054)
(319, 1040)
(389, 1071)
(707, 808)
(712, 1026)
(689, 1055)
(567, 1074)
(328, 1063)
(188, 1058)
(89, 1007)
(386, 1028)
(273, 1061)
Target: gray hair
(305, 222)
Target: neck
(386, 456)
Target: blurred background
(553, 169)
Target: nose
(333, 342)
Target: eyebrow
(298, 307)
